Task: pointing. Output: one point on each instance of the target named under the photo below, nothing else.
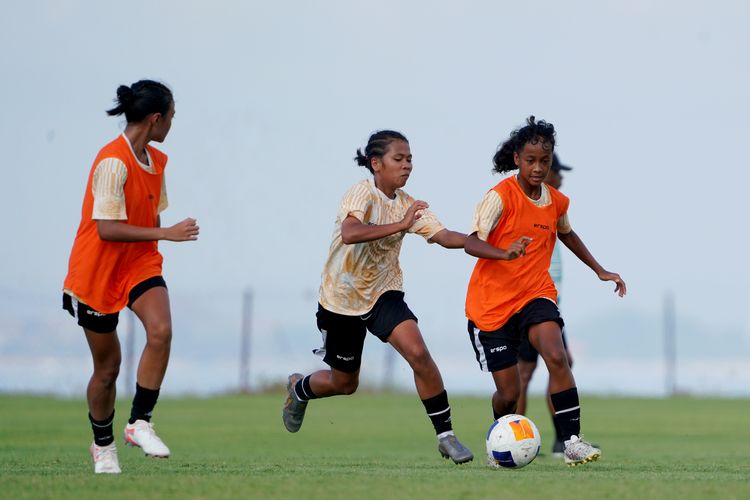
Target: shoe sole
(591, 458)
(457, 462)
(133, 445)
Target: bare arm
(449, 239)
(354, 231)
(115, 230)
(574, 243)
(480, 248)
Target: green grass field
(374, 446)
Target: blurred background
(649, 98)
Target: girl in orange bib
(115, 263)
(510, 291)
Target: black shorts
(344, 336)
(499, 349)
(101, 322)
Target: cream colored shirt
(490, 209)
(108, 187)
(356, 275)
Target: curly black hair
(532, 132)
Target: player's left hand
(620, 288)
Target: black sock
(143, 403)
(558, 431)
(303, 390)
(567, 412)
(103, 434)
(439, 411)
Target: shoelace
(152, 432)
(105, 452)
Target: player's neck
(533, 192)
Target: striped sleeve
(487, 215)
(163, 200)
(356, 202)
(108, 188)
(427, 225)
(563, 224)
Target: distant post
(247, 302)
(129, 352)
(670, 348)
(388, 367)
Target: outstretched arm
(449, 239)
(480, 248)
(116, 230)
(354, 231)
(574, 243)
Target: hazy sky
(649, 98)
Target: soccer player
(362, 286)
(510, 292)
(527, 355)
(115, 263)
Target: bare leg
(152, 308)
(508, 387)
(547, 339)
(101, 391)
(333, 382)
(407, 340)
(526, 370)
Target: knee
(419, 358)
(506, 400)
(556, 360)
(346, 387)
(106, 372)
(159, 334)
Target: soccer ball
(513, 441)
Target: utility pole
(247, 302)
(388, 367)
(670, 346)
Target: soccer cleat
(105, 459)
(578, 451)
(141, 433)
(450, 447)
(558, 449)
(294, 409)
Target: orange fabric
(102, 273)
(500, 288)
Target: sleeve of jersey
(107, 187)
(427, 225)
(563, 223)
(487, 215)
(356, 202)
(163, 200)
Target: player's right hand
(187, 230)
(412, 213)
(518, 247)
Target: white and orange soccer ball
(513, 442)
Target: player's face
(392, 170)
(162, 124)
(533, 162)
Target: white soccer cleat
(141, 434)
(578, 451)
(105, 459)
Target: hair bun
(124, 94)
